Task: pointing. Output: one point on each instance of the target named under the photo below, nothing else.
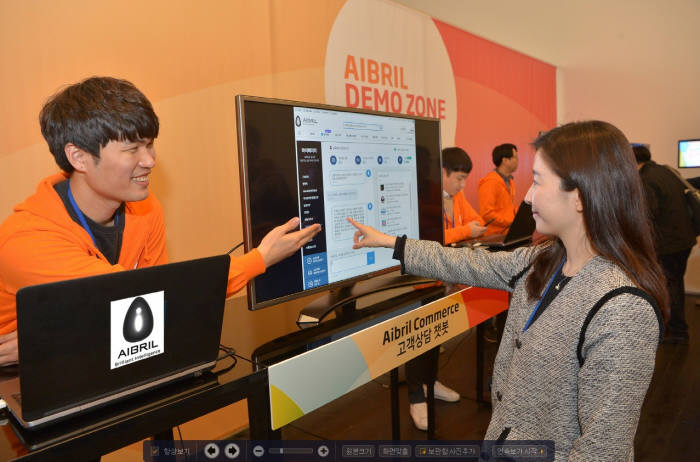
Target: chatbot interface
(353, 165)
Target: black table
(107, 429)
(156, 412)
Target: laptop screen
(523, 224)
(85, 339)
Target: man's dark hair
(641, 153)
(94, 112)
(502, 151)
(456, 160)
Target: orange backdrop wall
(192, 58)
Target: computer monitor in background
(325, 163)
(688, 153)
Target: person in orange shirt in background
(459, 218)
(460, 221)
(98, 214)
(497, 190)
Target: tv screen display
(325, 163)
(688, 153)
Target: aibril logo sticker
(137, 326)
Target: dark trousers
(674, 266)
(421, 370)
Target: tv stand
(344, 299)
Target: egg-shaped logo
(138, 321)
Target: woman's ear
(578, 202)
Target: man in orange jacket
(460, 220)
(497, 190)
(98, 215)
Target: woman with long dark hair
(585, 317)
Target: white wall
(634, 63)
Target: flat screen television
(688, 153)
(324, 163)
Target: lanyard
(81, 217)
(447, 220)
(532, 315)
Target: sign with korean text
(308, 381)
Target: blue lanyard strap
(81, 217)
(447, 219)
(551, 281)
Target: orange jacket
(41, 243)
(464, 213)
(495, 201)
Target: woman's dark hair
(456, 160)
(94, 112)
(596, 158)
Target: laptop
(519, 232)
(87, 342)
